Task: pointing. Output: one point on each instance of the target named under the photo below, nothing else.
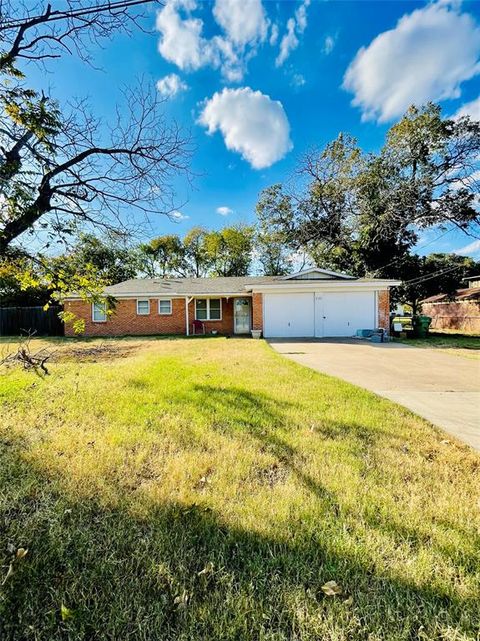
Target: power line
(74, 13)
(440, 272)
(397, 260)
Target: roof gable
(316, 273)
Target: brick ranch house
(311, 303)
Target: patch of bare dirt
(95, 353)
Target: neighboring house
(460, 311)
(311, 303)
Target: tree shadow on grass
(239, 412)
(262, 417)
(182, 572)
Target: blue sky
(297, 73)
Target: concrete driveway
(443, 388)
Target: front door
(241, 315)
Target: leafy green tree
(45, 280)
(112, 260)
(196, 258)
(271, 241)
(38, 280)
(227, 252)
(14, 293)
(162, 256)
(230, 250)
(360, 212)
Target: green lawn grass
(457, 344)
(207, 490)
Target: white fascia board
(324, 285)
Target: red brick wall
(463, 316)
(384, 310)
(257, 311)
(125, 319)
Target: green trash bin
(421, 325)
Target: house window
(208, 309)
(165, 306)
(215, 309)
(99, 312)
(201, 309)
(143, 307)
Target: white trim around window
(142, 308)
(207, 310)
(165, 306)
(99, 312)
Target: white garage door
(320, 314)
(341, 314)
(288, 315)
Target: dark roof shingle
(186, 286)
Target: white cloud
(328, 45)
(182, 42)
(471, 109)
(295, 27)
(273, 35)
(177, 216)
(298, 80)
(224, 211)
(301, 16)
(288, 43)
(170, 85)
(471, 248)
(251, 123)
(427, 56)
(243, 22)
(231, 63)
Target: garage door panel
(344, 313)
(288, 315)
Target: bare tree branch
(133, 167)
(41, 33)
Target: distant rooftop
(468, 294)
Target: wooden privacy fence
(17, 321)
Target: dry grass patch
(208, 489)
